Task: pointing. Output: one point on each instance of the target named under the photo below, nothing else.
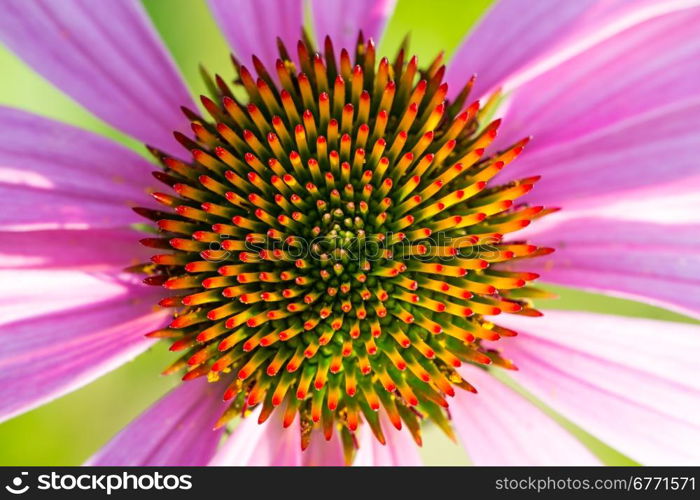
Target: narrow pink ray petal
(252, 26)
(673, 202)
(505, 35)
(565, 29)
(653, 262)
(342, 20)
(56, 176)
(399, 450)
(270, 444)
(93, 250)
(65, 330)
(266, 444)
(109, 59)
(620, 160)
(648, 66)
(499, 427)
(29, 293)
(630, 382)
(176, 431)
(322, 453)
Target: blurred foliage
(67, 431)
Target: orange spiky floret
(335, 241)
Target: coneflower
(332, 199)
(335, 241)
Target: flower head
(337, 241)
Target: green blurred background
(67, 431)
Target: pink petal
(176, 431)
(322, 453)
(56, 176)
(64, 330)
(270, 444)
(267, 444)
(504, 40)
(399, 450)
(616, 161)
(671, 202)
(648, 66)
(631, 382)
(252, 26)
(499, 427)
(651, 262)
(29, 293)
(109, 59)
(342, 20)
(93, 250)
(565, 29)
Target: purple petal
(628, 227)
(342, 20)
(500, 427)
(504, 50)
(60, 330)
(673, 201)
(652, 262)
(505, 40)
(322, 453)
(94, 250)
(176, 431)
(109, 59)
(646, 67)
(631, 382)
(25, 208)
(30, 293)
(399, 450)
(616, 161)
(267, 444)
(56, 176)
(270, 444)
(252, 26)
